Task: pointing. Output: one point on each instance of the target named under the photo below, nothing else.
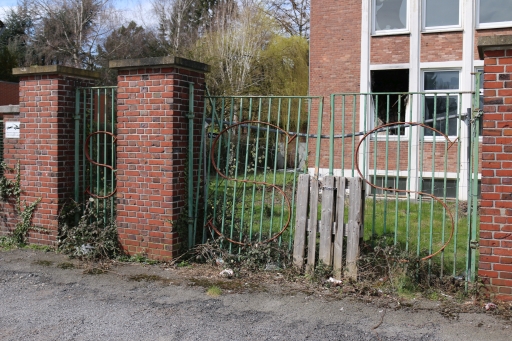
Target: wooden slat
(340, 224)
(325, 251)
(301, 220)
(354, 227)
(312, 226)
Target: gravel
(41, 301)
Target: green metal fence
(253, 149)
(95, 149)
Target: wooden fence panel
(301, 220)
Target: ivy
(24, 211)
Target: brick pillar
(46, 142)
(152, 146)
(495, 265)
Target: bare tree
(236, 35)
(68, 31)
(177, 29)
(292, 15)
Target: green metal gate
(419, 153)
(95, 149)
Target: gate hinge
(473, 244)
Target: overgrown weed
(92, 238)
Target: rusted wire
(404, 190)
(214, 143)
(88, 157)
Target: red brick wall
(152, 155)
(9, 93)
(389, 49)
(45, 148)
(441, 47)
(7, 217)
(496, 213)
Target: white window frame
(424, 27)
(499, 24)
(444, 92)
(390, 32)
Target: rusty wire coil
(409, 124)
(280, 190)
(88, 157)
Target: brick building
(423, 46)
(9, 93)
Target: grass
(256, 212)
(214, 291)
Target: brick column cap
(494, 42)
(167, 61)
(9, 109)
(55, 69)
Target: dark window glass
(441, 80)
(439, 109)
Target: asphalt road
(41, 301)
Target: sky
(131, 10)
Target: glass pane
(437, 107)
(495, 11)
(390, 14)
(441, 13)
(441, 80)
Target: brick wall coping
(495, 42)
(9, 109)
(9, 82)
(55, 69)
(167, 61)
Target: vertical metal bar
(226, 171)
(432, 186)
(105, 191)
(331, 138)
(235, 183)
(386, 169)
(255, 169)
(318, 140)
(375, 148)
(474, 181)
(276, 146)
(445, 170)
(420, 184)
(113, 151)
(190, 180)
(299, 111)
(248, 136)
(77, 144)
(343, 114)
(265, 169)
(285, 167)
(397, 179)
(456, 232)
(409, 167)
(98, 121)
(354, 116)
(199, 168)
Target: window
(439, 14)
(388, 106)
(389, 16)
(494, 13)
(439, 103)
